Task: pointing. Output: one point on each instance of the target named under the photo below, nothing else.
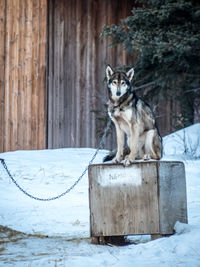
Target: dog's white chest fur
(126, 114)
(124, 119)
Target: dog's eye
(114, 82)
(122, 82)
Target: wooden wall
(22, 74)
(52, 70)
(77, 58)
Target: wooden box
(144, 198)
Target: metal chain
(76, 182)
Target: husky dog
(133, 117)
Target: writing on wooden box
(123, 176)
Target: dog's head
(119, 82)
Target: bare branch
(192, 90)
(144, 86)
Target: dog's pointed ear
(109, 72)
(130, 74)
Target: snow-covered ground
(56, 233)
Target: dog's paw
(128, 160)
(146, 157)
(117, 160)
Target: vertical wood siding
(77, 60)
(22, 74)
(76, 56)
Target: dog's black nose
(118, 93)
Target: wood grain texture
(123, 207)
(172, 195)
(2, 72)
(77, 58)
(145, 198)
(23, 58)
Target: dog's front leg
(133, 145)
(120, 144)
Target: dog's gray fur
(133, 117)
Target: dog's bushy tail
(110, 156)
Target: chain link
(76, 182)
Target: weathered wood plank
(35, 78)
(172, 195)
(50, 74)
(2, 72)
(42, 86)
(77, 77)
(7, 84)
(28, 71)
(21, 81)
(56, 103)
(14, 77)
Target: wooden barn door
(77, 57)
(22, 74)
